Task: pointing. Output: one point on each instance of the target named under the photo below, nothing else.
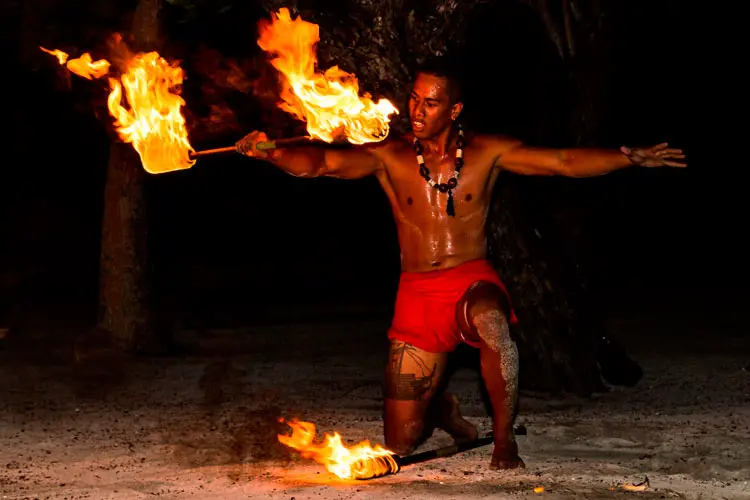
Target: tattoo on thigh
(414, 384)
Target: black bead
(424, 171)
(459, 162)
(443, 187)
(452, 182)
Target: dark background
(233, 236)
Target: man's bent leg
(487, 322)
(413, 376)
(499, 361)
(444, 411)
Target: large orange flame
(152, 121)
(329, 102)
(153, 124)
(360, 461)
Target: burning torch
(148, 115)
(374, 467)
(328, 102)
(362, 460)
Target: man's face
(430, 107)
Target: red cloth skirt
(426, 303)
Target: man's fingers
(669, 151)
(246, 145)
(661, 146)
(675, 164)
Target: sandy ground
(205, 427)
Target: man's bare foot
(505, 456)
(452, 422)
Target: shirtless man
(448, 292)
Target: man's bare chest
(411, 190)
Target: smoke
(119, 53)
(234, 95)
(222, 73)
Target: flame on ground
(329, 102)
(151, 119)
(360, 461)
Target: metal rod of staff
(262, 146)
(445, 451)
(392, 464)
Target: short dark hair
(448, 68)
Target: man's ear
(456, 110)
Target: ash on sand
(205, 427)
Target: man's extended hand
(246, 145)
(655, 156)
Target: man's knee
(484, 299)
(403, 429)
(400, 446)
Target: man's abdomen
(424, 253)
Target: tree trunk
(123, 289)
(556, 336)
(547, 268)
(124, 282)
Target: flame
(61, 56)
(153, 124)
(329, 102)
(360, 461)
(83, 66)
(152, 121)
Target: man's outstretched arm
(517, 157)
(354, 163)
